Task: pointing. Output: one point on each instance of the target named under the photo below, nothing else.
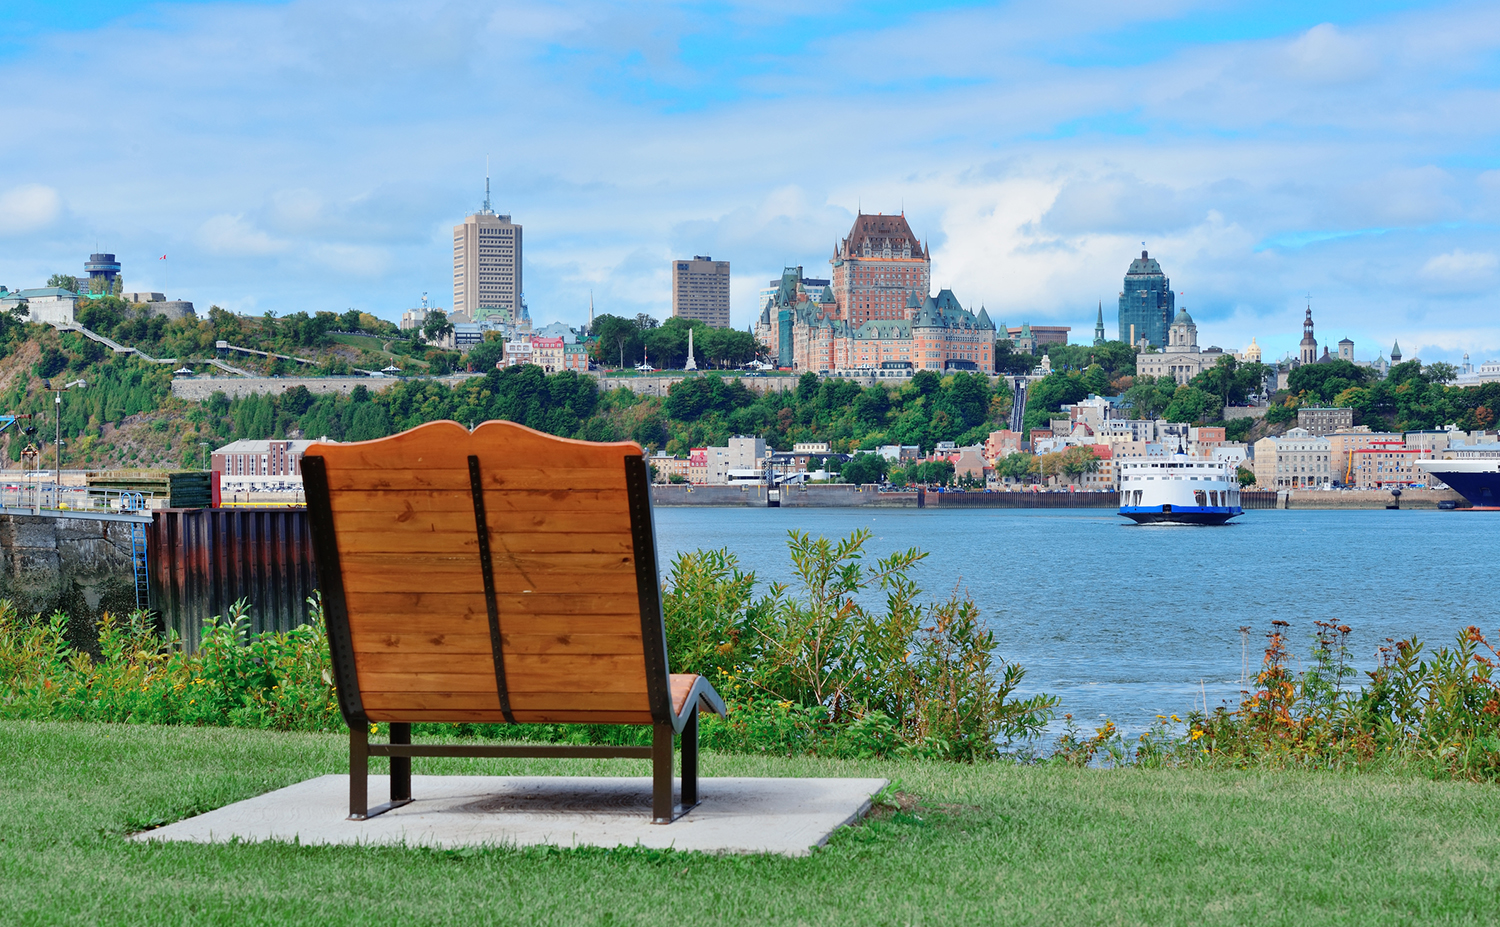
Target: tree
(1015, 466)
(1149, 396)
(615, 338)
(349, 321)
(1008, 361)
(436, 327)
(1077, 461)
(66, 281)
(864, 468)
(484, 356)
(1246, 477)
(645, 322)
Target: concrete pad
(783, 816)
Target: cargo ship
(1179, 490)
(1472, 472)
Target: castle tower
(1395, 353)
(1309, 352)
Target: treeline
(624, 343)
(1410, 397)
(696, 412)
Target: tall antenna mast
(487, 210)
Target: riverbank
(990, 843)
(844, 495)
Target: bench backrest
(565, 624)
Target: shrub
(820, 670)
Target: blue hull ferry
(1179, 490)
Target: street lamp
(57, 392)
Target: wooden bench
(500, 575)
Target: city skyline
(1263, 152)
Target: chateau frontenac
(875, 312)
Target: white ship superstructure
(1179, 490)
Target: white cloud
(1460, 271)
(28, 208)
(231, 235)
(1326, 54)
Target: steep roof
(880, 232)
(1144, 266)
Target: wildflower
(1196, 735)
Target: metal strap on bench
(497, 643)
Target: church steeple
(1309, 346)
(1099, 326)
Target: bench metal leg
(661, 774)
(359, 774)
(690, 760)
(400, 765)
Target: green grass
(989, 844)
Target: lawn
(988, 844)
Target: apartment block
(700, 290)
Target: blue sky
(315, 154)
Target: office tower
(487, 263)
(1147, 304)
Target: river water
(1129, 622)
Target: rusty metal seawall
(203, 560)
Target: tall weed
(810, 666)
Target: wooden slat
(413, 657)
(529, 701)
(422, 565)
(477, 716)
(377, 627)
(580, 602)
(412, 503)
(353, 527)
(464, 543)
(392, 649)
(507, 582)
(394, 479)
(429, 681)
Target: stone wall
(200, 388)
(1367, 498)
(76, 564)
(816, 496)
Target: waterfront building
(698, 466)
(1147, 304)
(665, 466)
(876, 268)
(1386, 466)
(1002, 443)
(1320, 420)
(487, 263)
(275, 457)
(700, 290)
(1295, 460)
(1180, 358)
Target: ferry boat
(1472, 472)
(1179, 490)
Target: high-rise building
(1147, 304)
(877, 268)
(487, 263)
(700, 290)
